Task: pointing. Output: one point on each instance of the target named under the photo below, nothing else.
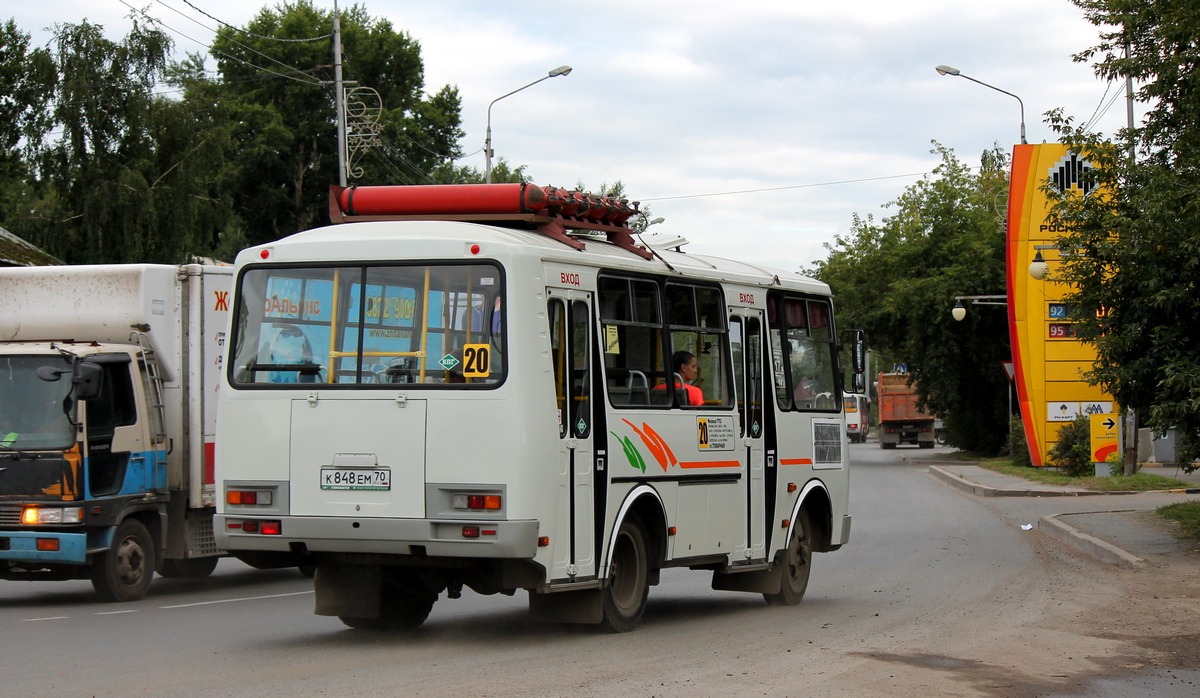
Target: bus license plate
(356, 479)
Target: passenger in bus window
(685, 367)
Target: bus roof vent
(551, 211)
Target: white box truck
(108, 379)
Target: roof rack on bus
(550, 211)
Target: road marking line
(38, 620)
(247, 598)
(113, 613)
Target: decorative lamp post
(487, 144)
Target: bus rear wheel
(190, 568)
(624, 597)
(797, 565)
(404, 603)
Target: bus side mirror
(859, 383)
(858, 353)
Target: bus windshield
(376, 325)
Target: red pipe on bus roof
(428, 199)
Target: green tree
(1132, 253)
(27, 80)
(897, 279)
(98, 185)
(276, 78)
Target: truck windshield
(31, 409)
(419, 324)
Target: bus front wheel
(624, 597)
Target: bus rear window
(432, 325)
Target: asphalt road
(936, 594)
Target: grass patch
(1141, 482)
(1187, 515)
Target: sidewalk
(1117, 528)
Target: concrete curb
(1091, 545)
(986, 491)
(1051, 525)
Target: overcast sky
(756, 128)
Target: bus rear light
(672, 531)
(476, 502)
(271, 528)
(233, 525)
(791, 487)
(487, 531)
(785, 523)
(544, 542)
(248, 498)
(47, 545)
(250, 526)
(470, 531)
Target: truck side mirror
(87, 380)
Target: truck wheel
(797, 565)
(624, 597)
(404, 603)
(190, 568)
(124, 571)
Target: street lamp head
(560, 70)
(959, 312)
(1038, 268)
(946, 70)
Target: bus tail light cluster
(262, 527)
(248, 498)
(476, 501)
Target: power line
(783, 188)
(247, 33)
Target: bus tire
(797, 565)
(125, 570)
(624, 596)
(190, 568)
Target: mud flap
(584, 606)
(764, 582)
(351, 591)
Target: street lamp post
(487, 145)
(949, 70)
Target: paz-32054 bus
(495, 386)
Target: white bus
(495, 386)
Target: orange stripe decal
(710, 464)
(795, 461)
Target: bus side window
(632, 339)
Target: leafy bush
(1018, 447)
(1073, 451)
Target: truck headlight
(34, 515)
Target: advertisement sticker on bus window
(612, 344)
(477, 360)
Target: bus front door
(746, 333)
(570, 318)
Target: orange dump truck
(900, 420)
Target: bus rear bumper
(426, 537)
